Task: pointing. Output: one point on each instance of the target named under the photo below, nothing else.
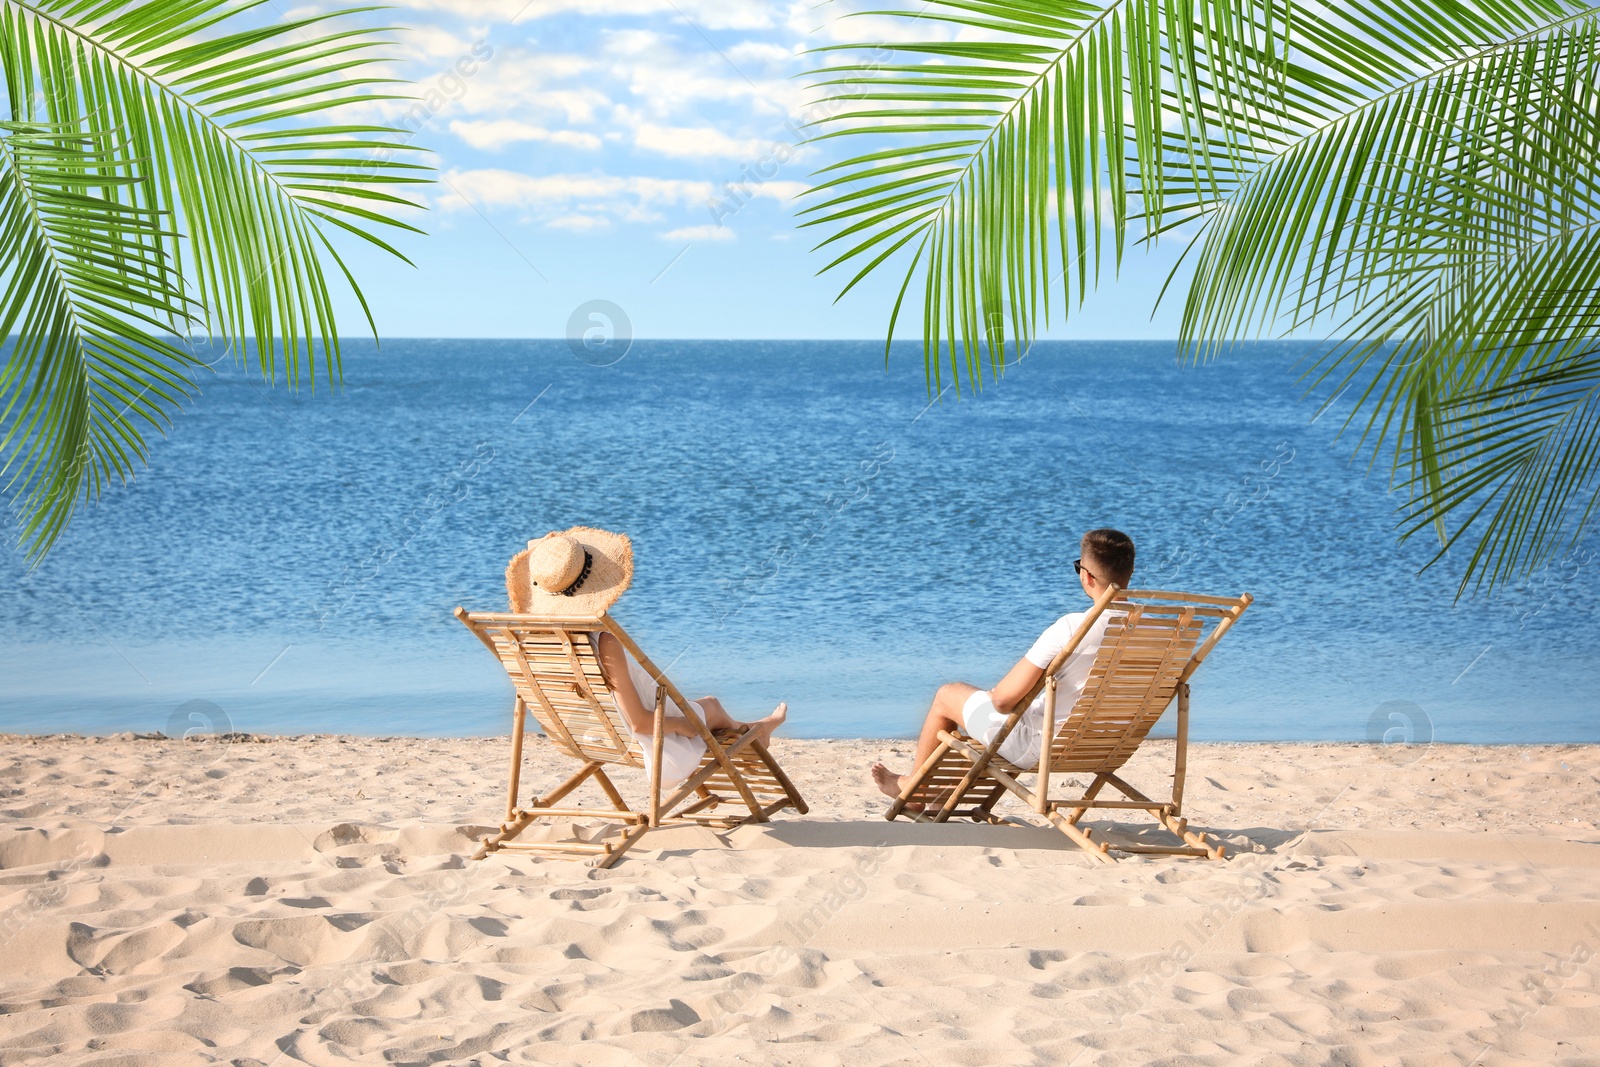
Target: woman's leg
(717, 718)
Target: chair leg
(508, 830)
(771, 764)
(1088, 794)
(985, 809)
(613, 853)
(1080, 836)
(707, 799)
(1167, 817)
(518, 819)
(917, 778)
(1100, 850)
(967, 780)
(604, 854)
(519, 719)
(610, 790)
(1195, 839)
(723, 755)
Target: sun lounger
(557, 677)
(1153, 643)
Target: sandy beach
(283, 900)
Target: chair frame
(732, 759)
(992, 775)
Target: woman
(583, 571)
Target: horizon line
(862, 340)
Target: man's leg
(943, 714)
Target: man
(1107, 559)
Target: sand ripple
(1436, 910)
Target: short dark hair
(1110, 555)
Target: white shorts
(983, 723)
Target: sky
(585, 150)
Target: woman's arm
(1013, 689)
(640, 719)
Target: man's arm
(641, 720)
(1013, 689)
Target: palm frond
(1023, 128)
(91, 296)
(229, 132)
(1517, 465)
(1002, 165)
(1416, 180)
(1451, 232)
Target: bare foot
(763, 728)
(888, 782)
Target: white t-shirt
(1022, 744)
(1074, 672)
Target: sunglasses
(1079, 568)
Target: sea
(813, 523)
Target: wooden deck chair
(557, 676)
(1153, 643)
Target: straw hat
(581, 571)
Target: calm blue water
(807, 526)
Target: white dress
(680, 753)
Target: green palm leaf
(1451, 230)
(81, 268)
(1412, 178)
(999, 165)
(220, 172)
(1517, 463)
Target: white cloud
(579, 223)
(674, 120)
(760, 52)
(547, 197)
(437, 47)
(699, 233)
(454, 77)
(635, 81)
(830, 23)
(563, 199)
(494, 134)
(632, 43)
(668, 89)
(697, 142)
(509, 188)
(524, 83)
(782, 192)
(665, 78)
(711, 14)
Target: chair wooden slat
(558, 679)
(1153, 642)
